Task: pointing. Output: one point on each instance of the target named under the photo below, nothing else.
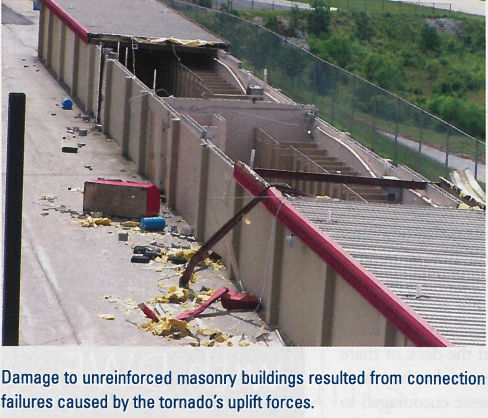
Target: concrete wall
(300, 294)
(75, 64)
(283, 121)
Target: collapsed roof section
(137, 21)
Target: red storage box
(121, 198)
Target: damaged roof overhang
(192, 43)
(96, 38)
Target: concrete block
(121, 198)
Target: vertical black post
(373, 128)
(476, 162)
(353, 104)
(13, 219)
(395, 159)
(314, 88)
(447, 150)
(420, 141)
(332, 108)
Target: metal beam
(339, 178)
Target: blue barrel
(35, 5)
(152, 224)
(67, 103)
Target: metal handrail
(327, 172)
(307, 158)
(197, 79)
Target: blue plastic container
(152, 224)
(36, 5)
(67, 103)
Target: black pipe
(13, 219)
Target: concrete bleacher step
(216, 83)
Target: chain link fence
(383, 122)
(367, 6)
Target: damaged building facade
(372, 264)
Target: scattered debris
(67, 104)
(127, 199)
(81, 144)
(167, 327)
(123, 236)
(93, 222)
(185, 230)
(140, 258)
(89, 167)
(147, 311)
(175, 294)
(129, 224)
(49, 198)
(107, 317)
(72, 150)
(152, 224)
(83, 132)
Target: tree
(429, 39)
(364, 29)
(318, 19)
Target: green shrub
(381, 70)
(429, 39)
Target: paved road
(455, 162)
(475, 7)
(67, 270)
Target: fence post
(476, 161)
(314, 80)
(353, 104)
(333, 97)
(420, 142)
(447, 149)
(373, 130)
(395, 159)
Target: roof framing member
(339, 178)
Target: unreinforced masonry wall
(307, 300)
(71, 61)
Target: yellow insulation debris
(107, 317)
(130, 224)
(93, 222)
(167, 327)
(465, 206)
(174, 294)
